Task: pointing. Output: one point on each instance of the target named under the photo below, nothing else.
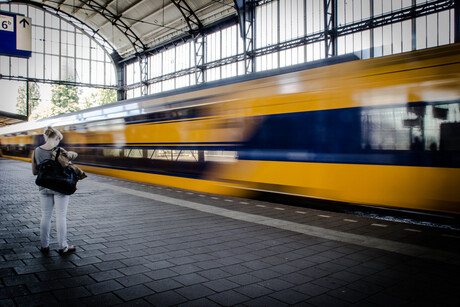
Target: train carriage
(378, 132)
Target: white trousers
(50, 199)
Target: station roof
(132, 26)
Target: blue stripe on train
(144, 170)
(349, 135)
(401, 158)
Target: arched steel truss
(191, 19)
(193, 22)
(116, 21)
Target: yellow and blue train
(379, 132)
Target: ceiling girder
(191, 19)
(115, 19)
(78, 8)
(138, 20)
(60, 3)
(151, 14)
(124, 11)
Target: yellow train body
(229, 117)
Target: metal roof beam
(77, 9)
(191, 19)
(129, 8)
(60, 3)
(107, 5)
(115, 19)
(140, 20)
(152, 13)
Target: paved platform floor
(145, 245)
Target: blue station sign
(15, 35)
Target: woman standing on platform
(49, 198)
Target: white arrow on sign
(23, 33)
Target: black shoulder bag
(53, 176)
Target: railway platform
(142, 244)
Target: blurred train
(381, 132)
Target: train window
(183, 155)
(134, 153)
(190, 155)
(172, 155)
(414, 127)
(388, 129)
(221, 156)
(182, 162)
(111, 152)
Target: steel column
(457, 21)
(330, 27)
(144, 73)
(414, 27)
(28, 109)
(121, 82)
(199, 46)
(371, 45)
(249, 38)
(121, 76)
(246, 16)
